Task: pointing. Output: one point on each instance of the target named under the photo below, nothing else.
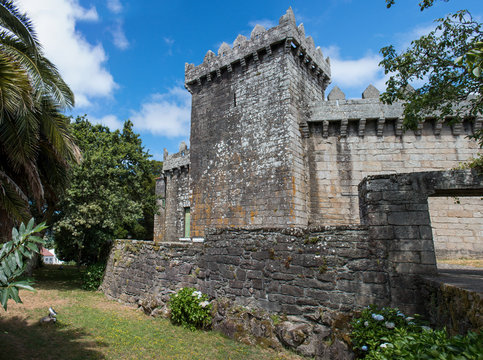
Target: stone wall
(297, 272)
(159, 229)
(174, 195)
(177, 199)
(457, 224)
(139, 269)
(294, 272)
(396, 210)
(341, 160)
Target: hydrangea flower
(366, 323)
(384, 345)
(390, 325)
(377, 317)
(426, 328)
(204, 304)
(197, 294)
(364, 348)
(400, 314)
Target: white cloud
(168, 40)
(119, 38)
(81, 64)
(114, 6)
(111, 121)
(355, 74)
(165, 114)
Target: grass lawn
(91, 327)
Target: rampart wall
(290, 271)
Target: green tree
(24, 245)
(448, 61)
(35, 144)
(111, 193)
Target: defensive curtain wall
(268, 149)
(296, 286)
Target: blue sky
(125, 59)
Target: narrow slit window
(187, 221)
(234, 99)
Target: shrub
(190, 309)
(384, 334)
(92, 277)
(13, 254)
(430, 344)
(374, 325)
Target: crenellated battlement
(179, 160)
(370, 116)
(261, 42)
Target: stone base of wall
(457, 309)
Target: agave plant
(24, 245)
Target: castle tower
(249, 113)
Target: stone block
(406, 232)
(375, 277)
(291, 290)
(321, 296)
(381, 232)
(408, 218)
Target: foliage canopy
(111, 193)
(440, 60)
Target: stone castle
(302, 209)
(269, 150)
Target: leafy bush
(383, 334)
(92, 277)
(375, 324)
(190, 309)
(430, 344)
(12, 255)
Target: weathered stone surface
(336, 94)
(370, 93)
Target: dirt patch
(475, 263)
(109, 305)
(41, 299)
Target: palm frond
(18, 23)
(12, 199)
(16, 92)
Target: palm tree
(35, 144)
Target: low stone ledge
(449, 304)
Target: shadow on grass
(54, 277)
(20, 340)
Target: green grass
(91, 327)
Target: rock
(292, 335)
(338, 350)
